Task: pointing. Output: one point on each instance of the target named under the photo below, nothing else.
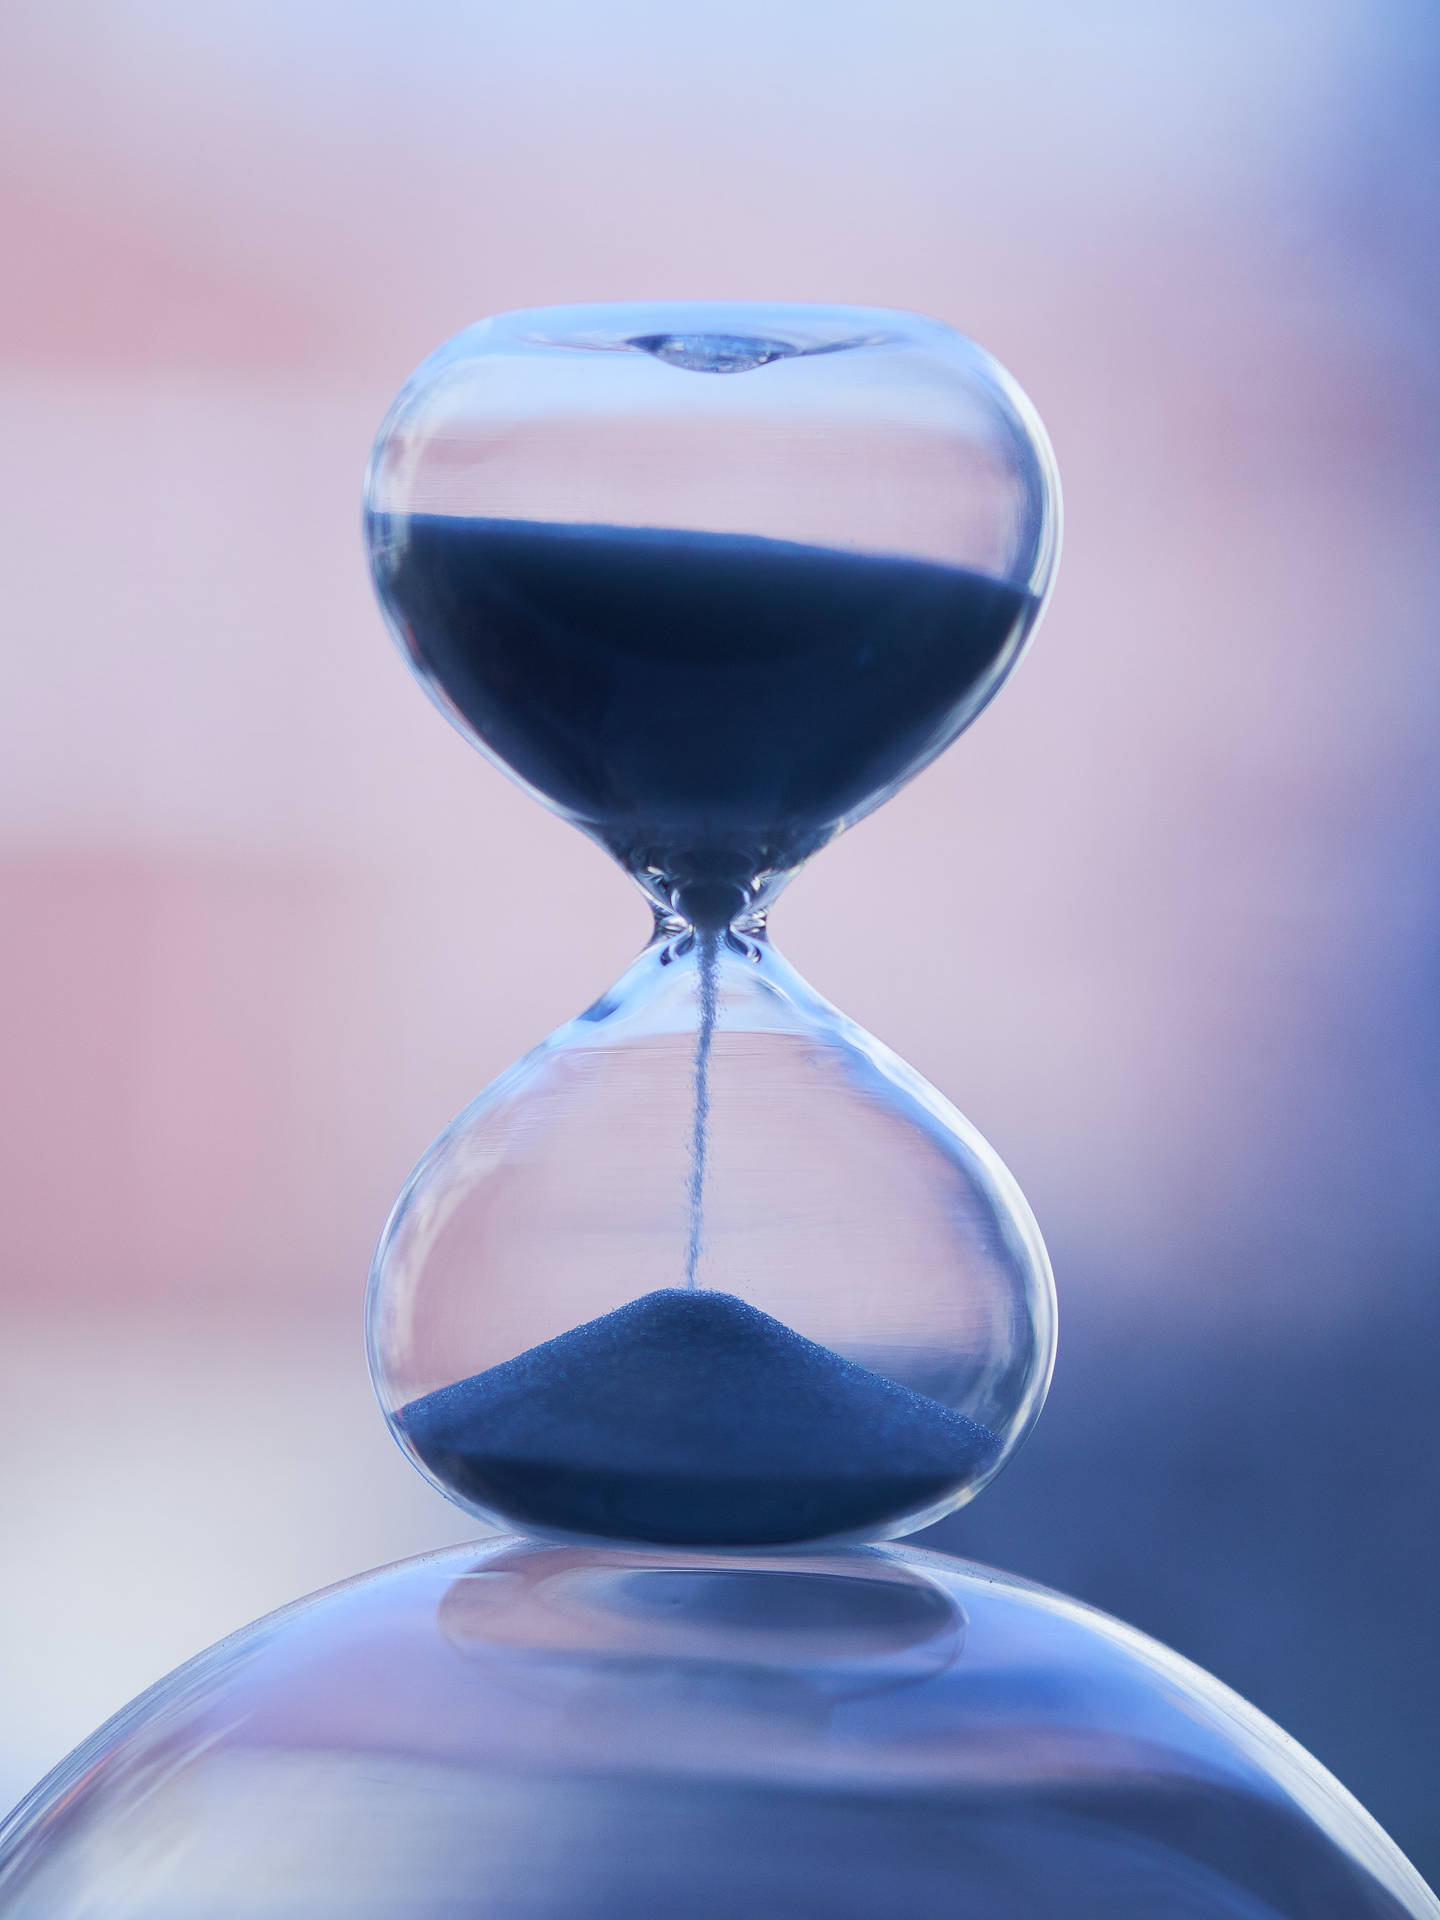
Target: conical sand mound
(691, 1418)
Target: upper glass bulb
(712, 579)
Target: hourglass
(710, 1266)
(710, 1294)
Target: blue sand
(709, 704)
(690, 1418)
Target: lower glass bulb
(711, 1267)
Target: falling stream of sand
(707, 943)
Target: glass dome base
(515, 1731)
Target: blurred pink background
(1164, 925)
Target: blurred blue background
(1164, 925)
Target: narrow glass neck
(710, 902)
(748, 929)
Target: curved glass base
(514, 1731)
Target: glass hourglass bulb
(711, 1266)
(780, 1293)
